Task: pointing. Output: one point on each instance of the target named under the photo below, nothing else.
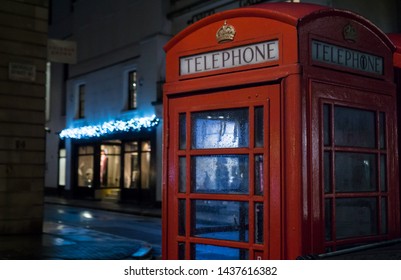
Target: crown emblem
(349, 33)
(226, 33)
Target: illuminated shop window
(85, 166)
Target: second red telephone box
(280, 135)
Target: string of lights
(135, 124)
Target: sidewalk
(105, 205)
(62, 242)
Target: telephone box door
(224, 185)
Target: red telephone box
(280, 135)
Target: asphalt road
(143, 228)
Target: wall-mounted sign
(348, 58)
(230, 58)
(21, 72)
(62, 51)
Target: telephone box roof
(396, 39)
(291, 13)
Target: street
(143, 228)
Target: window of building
(355, 174)
(81, 101)
(62, 166)
(137, 165)
(110, 166)
(85, 166)
(132, 90)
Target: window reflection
(220, 174)
(211, 252)
(227, 220)
(354, 127)
(220, 129)
(364, 217)
(355, 172)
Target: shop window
(355, 175)
(85, 166)
(137, 159)
(62, 166)
(110, 166)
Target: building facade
(23, 39)
(105, 122)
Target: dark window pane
(227, 220)
(183, 131)
(259, 174)
(259, 127)
(327, 173)
(356, 217)
(355, 172)
(220, 174)
(326, 124)
(182, 181)
(384, 215)
(328, 214)
(354, 127)
(259, 223)
(383, 173)
(211, 252)
(382, 122)
(181, 251)
(220, 129)
(181, 217)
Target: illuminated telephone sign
(230, 58)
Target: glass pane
(62, 152)
(61, 171)
(328, 214)
(382, 122)
(131, 170)
(220, 174)
(183, 131)
(145, 146)
(181, 217)
(110, 166)
(181, 251)
(259, 223)
(85, 171)
(220, 129)
(354, 127)
(355, 172)
(383, 215)
(383, 173)
(259, 127)
(85, 150)
(327, 172)
(131, 147)
(356, 217)
(326, 124)
(182, 181)
(259, 175)
(145, 170)
(211, 252)
(227, 220)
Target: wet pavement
(61, 241)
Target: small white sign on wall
(21, 72)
